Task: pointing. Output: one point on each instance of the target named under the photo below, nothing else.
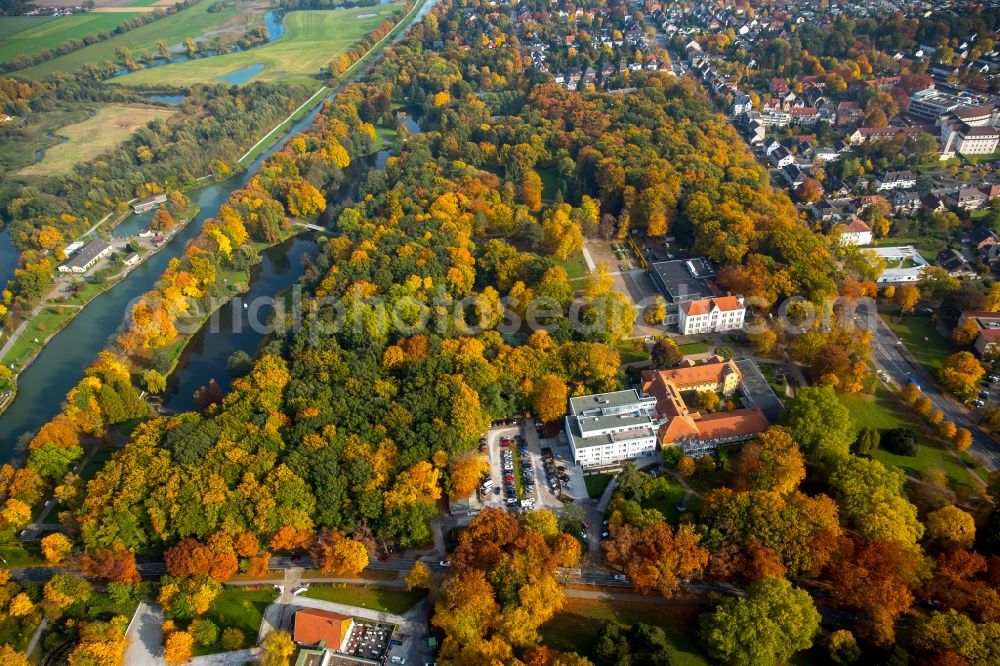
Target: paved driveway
(145, 637)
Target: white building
(903, 264)
(610, 428)
(856, 232)
(84, 260)
(711, 315)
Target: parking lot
(517, 464)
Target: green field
(577, 627)
(101, 132)
(576, 266)
(34, 34)
(17, 150)
(373, 598)
(596, 483)
(922, 339)
(192, 22)
(312, 39)
(242, 608)
(883, 411)
(692, 348)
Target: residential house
(793, 175)
(780, 157)
(896, 180)
(982, 238)
(954, 262)
(967, 198)
(855, 232)
(149, 203)
(988, 325)
(906, 203)
(742, 105)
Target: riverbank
(51, 316)
(238, 287)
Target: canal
(44, 384)
(207, 354)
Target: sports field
(28, 35)
(312, 39)
(192, 22)
(86, 140)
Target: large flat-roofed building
(903, 264)
(610, 428)
(84, 260)
(930, 104)
(683, 279)
(711, 315)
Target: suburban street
(892, 356)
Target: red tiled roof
(856, 225)
(705, 305)
(313, 625)
(737, 423)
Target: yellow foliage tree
(55, 547)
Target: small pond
(240, 76)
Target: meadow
(192, 22)
(312, 39)
(108, 127)
(28, 35)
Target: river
(206, 356)
(45, 383)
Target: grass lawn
(87, 139)
(633, 350)
(28, 35)
(596, 483)
(922, 340)
(691, 348)
(882, 411)
(396, 602)
(193, 22)
(21, 555)
(242, 608)
(928, 246)
(312, 39)
(768, 370)
(578, 625)
(550, 183)
(666, 502)
(18, 150)
(576, 266)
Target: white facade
(711, 315)
(610, 428)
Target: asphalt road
(892, 356)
